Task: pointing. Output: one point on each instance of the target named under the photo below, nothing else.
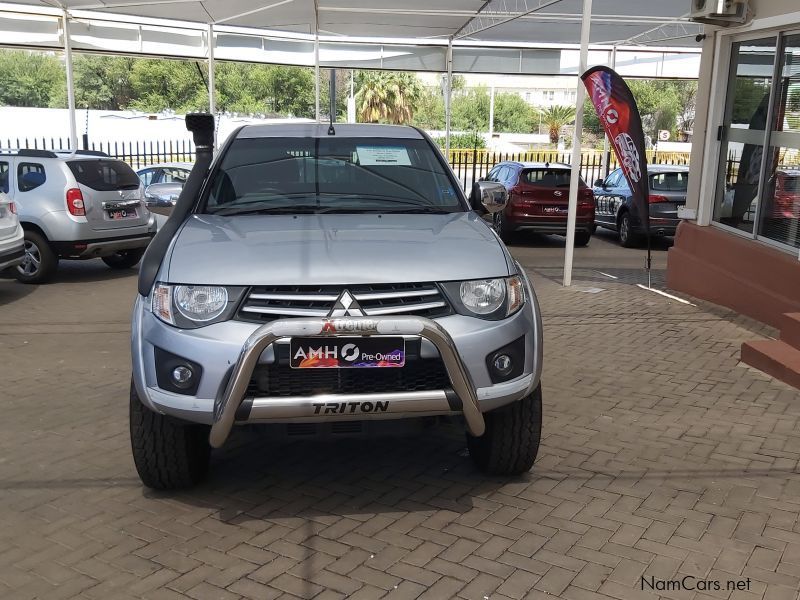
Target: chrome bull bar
(229, 400)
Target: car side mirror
(599, 183)
(488, 196)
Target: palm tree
(387, 97)
(556, 117)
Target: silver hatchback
(75, 206)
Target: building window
(758, 192)
(779, 217)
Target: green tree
(512, 114)
(430, 110)
(387, 97)
(168, 84)
(470, 110)
(555, 118)
(103, 82)
(31, 79)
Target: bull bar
(230, 398)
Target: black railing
(137, 154)
(468, 164)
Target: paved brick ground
(662, 457)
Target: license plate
(123, 213)
(346, 352)
(553, 209)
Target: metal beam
(507, 10)
(577, 140)
(252, 12)
(212, 94)
(73, 126)
(316, 60)
(448, 95)
(674, 30)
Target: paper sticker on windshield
(383, 155)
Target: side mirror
(599, 183)
(488, 196)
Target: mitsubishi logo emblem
(346, 306)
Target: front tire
(124, 259)
(582, 238)
(40, 262)
(511, 441)
(168, 454)
(502, 227)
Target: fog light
(182, 376)
(503, 364)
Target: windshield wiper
(284, 209)
(428, 210)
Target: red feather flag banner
(617, 110)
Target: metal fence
(137, 154)
(468, 164)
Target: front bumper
(229, 352)
(95, 248)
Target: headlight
(491, 299)
(192, 306)
(201, 302)
(483, 296)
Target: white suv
(75, 206)
(11, 248)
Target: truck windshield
(326, 175)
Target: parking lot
(662, 457)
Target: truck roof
(320, 130)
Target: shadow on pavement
(80, 271)
(257, 478)
(539, 240)
(12, 291)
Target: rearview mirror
(599, 183)
(488, 196)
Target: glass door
(743, 132)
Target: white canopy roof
(627, 22)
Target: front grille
(281, 380)
(266, 303)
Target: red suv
(538, 196)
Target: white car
(12, 247)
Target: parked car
(163, 184)
(538, 199)
(12, 249)
(76, 206)
(615, 209)
(325, 283)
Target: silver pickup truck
(324, 279)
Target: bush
(464, 141)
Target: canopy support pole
(73, 126)
(448, 92)
(212, 93)
(577, 139)
(316, 77)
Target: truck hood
(335, 249)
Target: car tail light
(12, 207)
(656, 198)
(75, 203)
